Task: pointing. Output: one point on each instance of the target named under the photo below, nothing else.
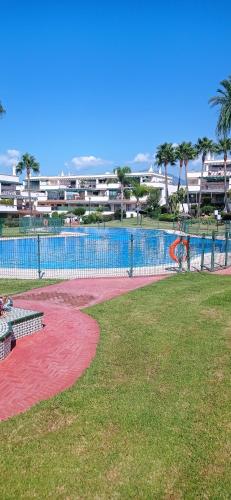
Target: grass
(150, 418)
(147, 223)
(13, 232)
(11, 287)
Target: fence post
(39, 257)
(188, 253)
(202, 251)
(180, 255)
(130, 273)
(226, 247)
(213, 251)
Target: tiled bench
(16, 324)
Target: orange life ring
(173, 246)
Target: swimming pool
(89, 251)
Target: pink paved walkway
(50, 361)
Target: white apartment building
(66, 192)
(10, 194)
(212, 182)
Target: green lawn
(147, 223)
(151, 416)
(197, 228)
(11, 287)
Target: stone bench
(15, 324)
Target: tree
(177, 199)
(121, 174)
(2, 110)
(224, 147)
(153, 201)
(165, 155)
(188, 153)
(139, 191)
(223, 100)
(79, 211)
(174, 203)
(181, 196)
(203, 147)
(179, 152)
(29, 164)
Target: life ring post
(179, 258)
(188, 253)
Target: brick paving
(50, 361)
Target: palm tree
(223, 100)
(188, 154)
(181, 197)
(139, 191)
(28, 163)
(179, 150)
(2, 110)
(165, 155)
(203, 147)
(121, 174)
(224, 147)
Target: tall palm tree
(224, 147)
(139, 191)
(2, 110)
(188, 154)
(121, 174)
(179, 151)
(29, 164)
(223, 100)
(165, 155)
(203, 147)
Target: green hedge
(226, 216)
(168, 218)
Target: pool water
(93, 248)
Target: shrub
(11, 222)
(210, 219)
(153, 214)
(108, 218)
(168, 218)
(208, 209)
(79, 211)
(117, 214)
(226, 215)
(92, 218)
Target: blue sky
(88, 85)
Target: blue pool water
(94, 248)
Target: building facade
(212, 182)
(10, 194)
(64, 193)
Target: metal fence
(30, 225)
(93, 252)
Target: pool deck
(45, 364)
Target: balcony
(7, 208)
(213, 186)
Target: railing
(91, 252)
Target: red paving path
(50, 361)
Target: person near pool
(7, 303)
